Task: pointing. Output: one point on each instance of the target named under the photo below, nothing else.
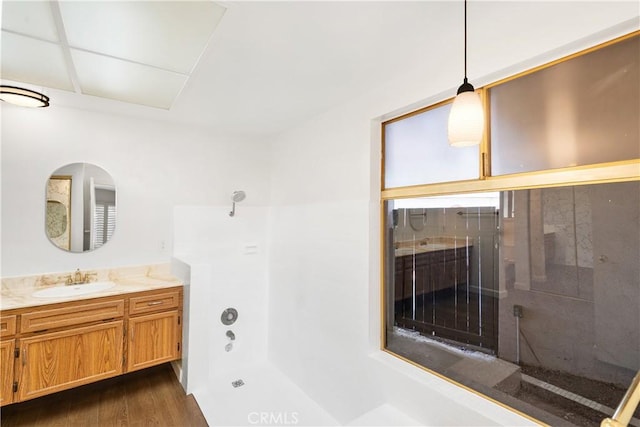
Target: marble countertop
(18, 292)
(429, 245)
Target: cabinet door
(61, 360)
(6, 370)
(153, 339)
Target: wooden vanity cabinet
(67, 345)
(6, 370)
(55, 347)
(7, 357)
(154, 331)
(431, 271)
(61, 360)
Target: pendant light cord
(465, 41)
(466, 86)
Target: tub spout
(231, 335)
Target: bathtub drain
(237, 383)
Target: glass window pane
(443, 267)
(417, 151)
(578, 112)
(530, 297)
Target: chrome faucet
(231, 335)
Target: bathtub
(266, 397)
(223, 264)
(231, 379)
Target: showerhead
(236, 196)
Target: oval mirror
(80, 207)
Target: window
(577, 112)
(417, 152)
(105, 217)
(444, 267)
(524, 284)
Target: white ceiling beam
(62, 35)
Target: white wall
(324, 262)
(324, 231)
(228, 263)
(155, 167)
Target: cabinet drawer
(7, 326)
(71, 315)
(156, 302)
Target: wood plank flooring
(151, 397)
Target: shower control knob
(229, 316)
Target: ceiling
(136, 52)
(258, 68)
(249, 68)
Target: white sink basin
(73, 290)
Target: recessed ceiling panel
(31, 18)
(168, 35)
(126, 81)
(33, 61)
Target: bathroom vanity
(427, 273)
(53, 346)
(429, 267)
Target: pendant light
(466, 119)
(23, 97)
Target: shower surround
(223, 264)
(236, 262)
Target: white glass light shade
(466, 120)
(23, 97)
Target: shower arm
(236, 196)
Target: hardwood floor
(151, 397)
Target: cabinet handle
(154, 303)
(24, 356)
